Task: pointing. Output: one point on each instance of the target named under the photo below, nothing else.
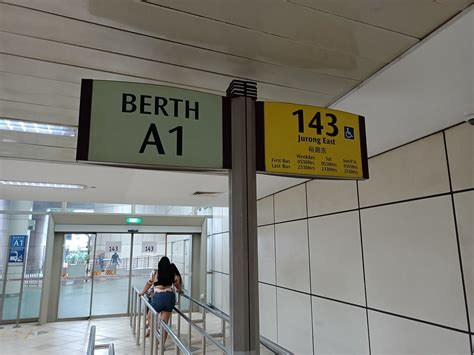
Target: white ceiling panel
(288, 20)
(103, 61)
(38, 113)
(217, 36)
(38, 139)
(126, 186)
(412, 17)
(427, 90)
(35, 152)
(39, 91)
(28, 22)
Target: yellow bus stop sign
(309, 141)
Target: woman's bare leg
(166, 317)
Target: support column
(243, 220)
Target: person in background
(164, 298)
(178, 280)
(115, 260)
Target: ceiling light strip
(42, 184)
(36, 127)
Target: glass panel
(30, 303)
(179, 253)
(76, 284)
(14, 273)
(147, 251)
(111, 274)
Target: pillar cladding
(17, 224)
(243, 221)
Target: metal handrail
(174, 337)
(274, 347)
(91, 346)
(214, 311)
(136, 305)
(202, 332)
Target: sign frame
(260, 147)
(84, 133)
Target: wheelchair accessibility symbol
(349, 133)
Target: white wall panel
(339, 328)
(411, 261)
(460, 146)
(268, 311)
(464, 204)
(415, 170)
(265, 213)
(336, 257)
(290, 204)
(294, 321)
(266, 254)
(329, 196)
(394, 335)
(292, 256)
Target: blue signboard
(17, 248)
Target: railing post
(189, 324)
(152, 331)
(162, 339)
(144, 328)
(131, 305)
(178, 321)
(203, 341)
(223, 332)
(139, 319)
(135, 306)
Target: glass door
(111, 274)
(76, 276)
(147, 251)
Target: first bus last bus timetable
(311, 141)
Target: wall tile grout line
(363, 267)
(373, 156)
(458, 243)
(373, 309)
(274, 258)
(309, 266)
(367, 207)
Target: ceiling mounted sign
(308, 141)
(143, 125)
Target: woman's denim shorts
(163, 301)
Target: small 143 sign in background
(300, 140)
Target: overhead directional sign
(308, 141)
(133, 124)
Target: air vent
(206, 193)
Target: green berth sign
(143, 125)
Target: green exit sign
(133, 220)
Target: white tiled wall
(400, 248)
(268, 315)
(415, 170)
(339, 328)
(336, 257)
(292, 257)
(464, 203)
(294, 321)
(266, 256)
(399, 336)
(460, 145)
(290, 204)
(265, 213)
(329, 196)
(411, 261)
